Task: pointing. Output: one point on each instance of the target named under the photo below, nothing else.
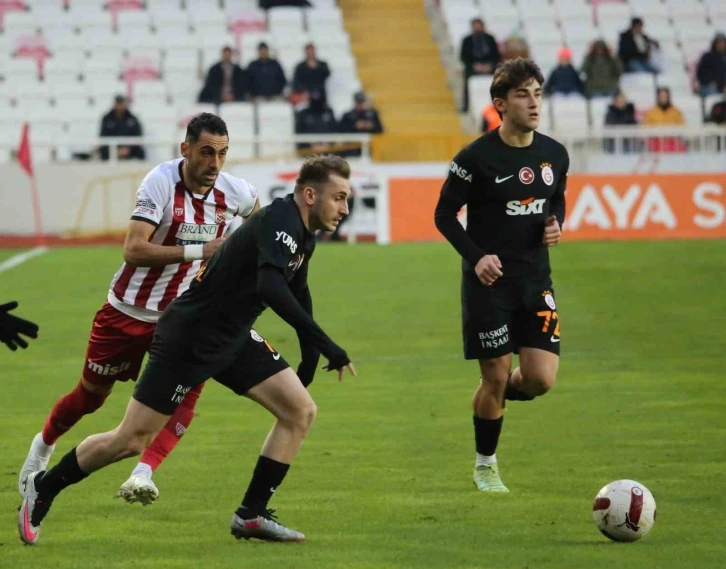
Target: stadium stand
(62, 62)
(683, 28)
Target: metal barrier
(168, 148)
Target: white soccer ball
(624, 510)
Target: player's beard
(203, 181)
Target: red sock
(177, 425)
(68, 410)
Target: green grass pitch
(384, 479)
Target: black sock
(268, 475)
(486, 434)
(62, 475)
(514, 394)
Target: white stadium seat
(19, 69)
(276, 120)
(89, 47)
(570, 114)
(646, 8)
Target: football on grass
(624, 510)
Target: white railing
(256, 148)
(705, 145)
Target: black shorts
(500, 319)
(167, 378)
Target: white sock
(40, 447)
(482, 459)
(142, 469)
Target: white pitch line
(20, 258)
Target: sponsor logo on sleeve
(287, 240)
(144, 206)
(459, 171)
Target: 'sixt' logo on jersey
(463, 174)
(525, 207)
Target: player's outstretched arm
(139, 252)
(310, 355)
(11, 327)
(274, 291)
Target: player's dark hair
(205, 122)
(316, 171)
(513, 73)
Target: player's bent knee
(540, 383)
(307, 415)
(303, 416)
(495, 372)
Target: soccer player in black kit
(207, 332)
(512, 182)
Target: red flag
(24, 151)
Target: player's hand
(11, 327)
(488, 269)
(341, 371)
(209, 248)
(552, 232)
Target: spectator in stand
(663, 112)
(564, 79)
(515, 46)
(490, 118)
(620, 113)
(361, 119)
(718, 111)
(120, 122)
(635, 49)
(602, 71)
(711, 71)
(316, 119)
(226, 81)
(479, 54)
(267, 79)
(311, 73)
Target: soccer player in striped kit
(183, 210)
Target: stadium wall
(397, 200)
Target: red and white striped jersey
(181, 218)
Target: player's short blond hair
(316, 171)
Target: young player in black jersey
(207, 332)
(512, 182)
